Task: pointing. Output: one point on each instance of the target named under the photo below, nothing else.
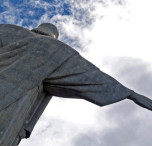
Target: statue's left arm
(63, 71)
(78, 78)
(141, 100)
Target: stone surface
(34, 66)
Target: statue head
(47, 29)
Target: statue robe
(34, 66)
(18, 119)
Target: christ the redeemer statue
(34, 66)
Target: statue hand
(141, 100)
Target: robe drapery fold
(30, 60)
(27, 63)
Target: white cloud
(102, 30)
(114, 31)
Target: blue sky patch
(28, 12)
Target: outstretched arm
(78, 78)
(141, 100)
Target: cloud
(126, 122)
(86, 139)
(129, 124)
(57, 126)
(72, 18)
(50, 131)
(21, 11)
(99, 28)
(132, 121)
(32, 13)
(135, 72)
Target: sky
(115, 35)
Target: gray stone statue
(34, 66)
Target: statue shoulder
(8, 26)
(51, 43)
(14, 29)
(10, 33)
